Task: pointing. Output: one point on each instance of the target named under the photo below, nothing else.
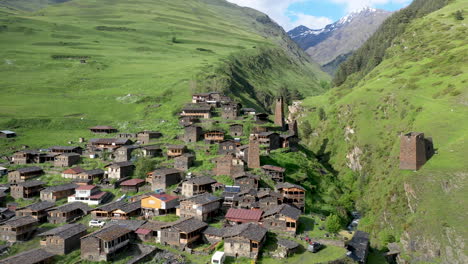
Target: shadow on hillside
(322, 156)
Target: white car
(96, 223)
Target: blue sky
(315, 13)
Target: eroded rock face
(353, 157)
(295, 110)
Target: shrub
(333, 223)
(458, 15)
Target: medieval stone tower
(293, 129)
(415, 150)
(279, 112)
(253, 158)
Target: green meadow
(142, 60)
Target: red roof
(143, 231)
(165, 197)
(243, 215)
(76, 170)
(86, 187)
(132, 182)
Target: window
(254, 245)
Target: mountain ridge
(341, 37)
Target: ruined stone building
(236, 130)
(192, 134)
(229, 165)
(230, 110)
(415, 150)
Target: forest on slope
(415, 79)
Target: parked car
(96, 223)
(314, 247)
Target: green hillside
(143, 61)
(420, 85)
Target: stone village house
(67, 160)
(55, 193)
(227, 147)
(64, 239)
(197, 185)
(183, 232)
(66, 149)
(244, 240)
(175, 150)
(281, 218)
(162, 178)
(184, 162)
(36, 210)
(33, 256)
(119, 170)
(26, 189)
(132, 185)
(274, 172)
(292, 194)
(145, 137)
(18, 229)
(192, 134)
(202, 207)
(24, 174)
(67, 213)
(236, 130)
(103, 244)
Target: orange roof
(76, 170)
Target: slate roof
(59, 188)
(176, 146)
(197, 107)
(93, 172)
(244, 214)
(29, 169)
(120, 164)
(129, 224)
(202, 199)
(154, 225)
(165, 171)
(65, 148)
(212, 231)
(204, 180)
(359, 246)
(273, 168)
(31, 256)
(130, 207)
(190, 225)
(288, 185)
(110, 141)
(110, 206)
(20, 221)
(267, 134)
(69, 155)
(29, 184)
(132, 182)
(289, 244)
(110, 232)
(250, 231)
(65, 231)
(152, 147)
(285, 210)
(73, 206)
(39, 206)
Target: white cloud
(352, 5)
(309, 21)
(278, 10)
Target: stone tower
(415, 150)
(192, 134)
(279, 112)
(293, 128)
(253, 158)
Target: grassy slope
(422, 85)
(131, 52)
